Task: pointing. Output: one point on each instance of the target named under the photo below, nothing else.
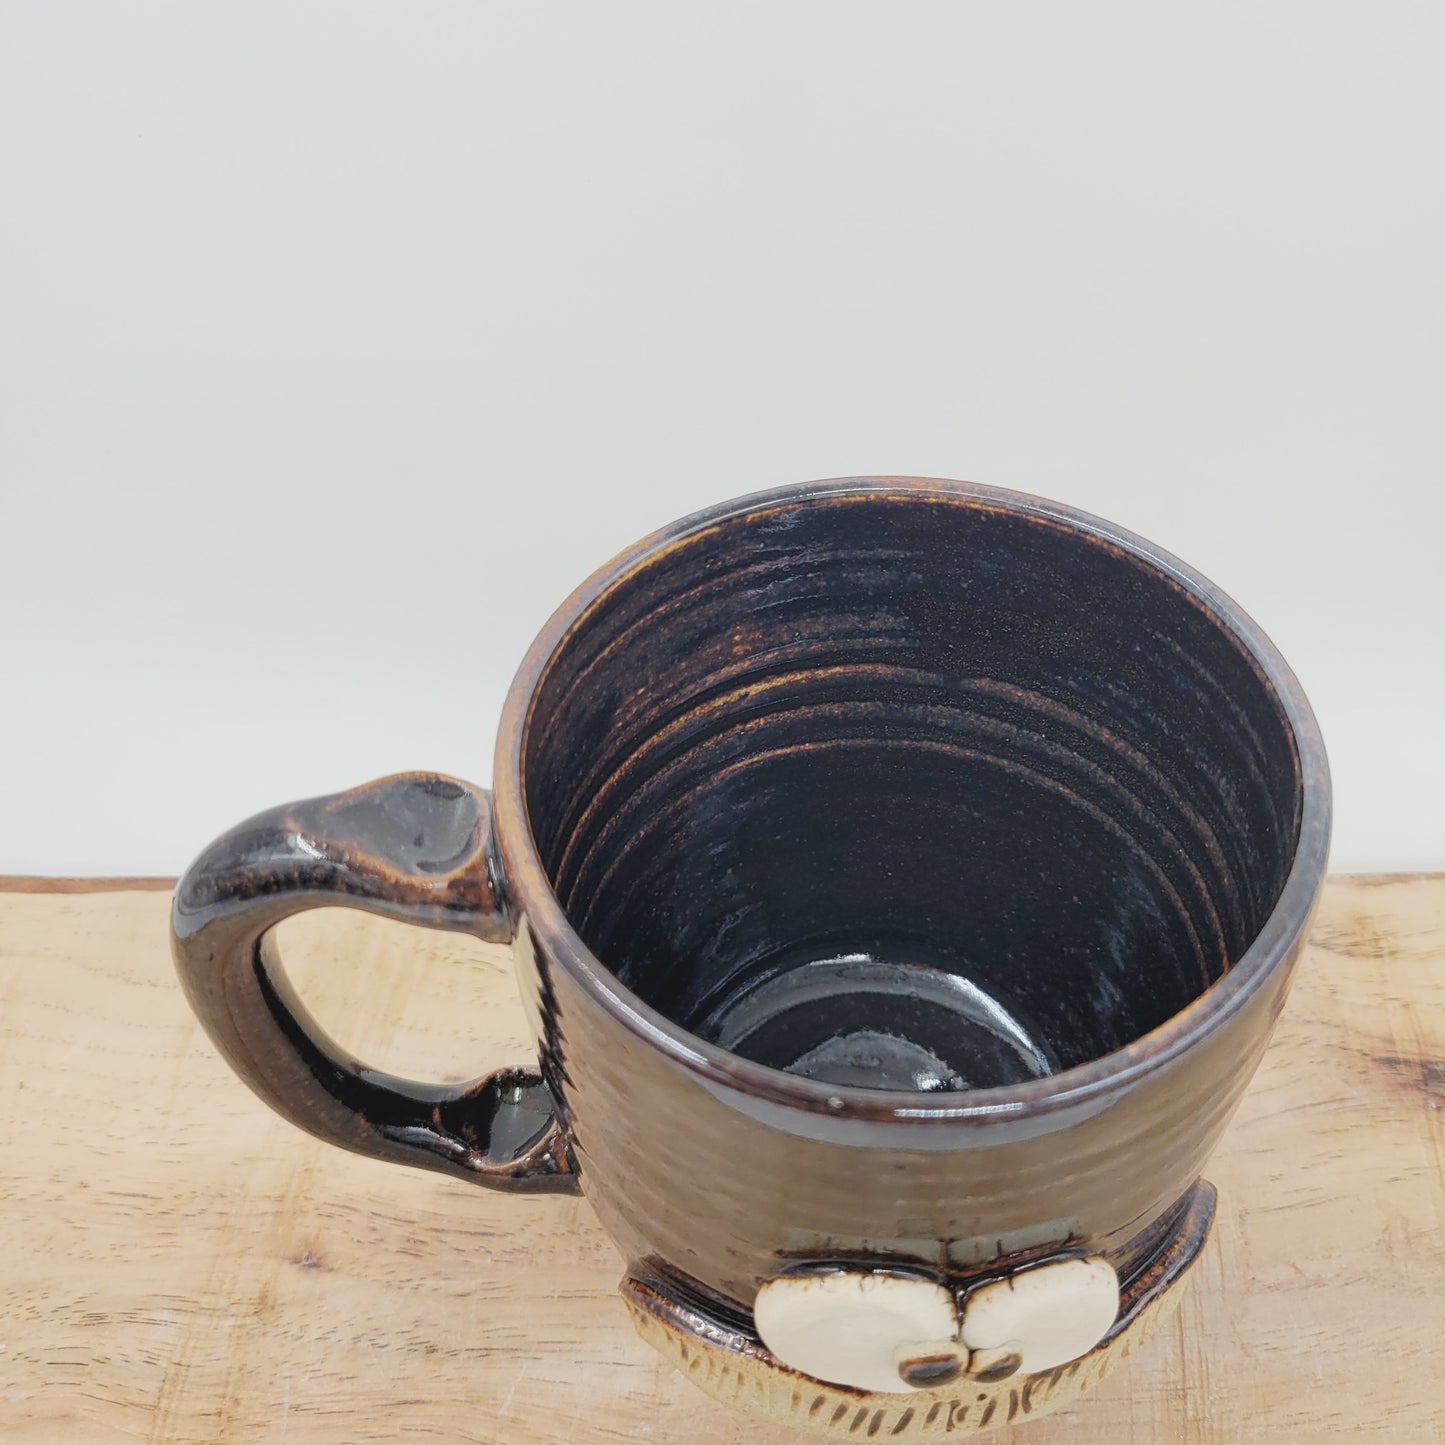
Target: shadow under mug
(904, 877)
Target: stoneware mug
(904, 878)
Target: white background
(337, 342)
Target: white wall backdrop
(338, 341)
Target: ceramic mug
(904, 878)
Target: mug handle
(415, 847)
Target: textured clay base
(734, 1368)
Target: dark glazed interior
(905, 790)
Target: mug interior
(910, 789)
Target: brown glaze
(415, 848)
(889, 749)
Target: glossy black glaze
(1008, 771)
(414, 848)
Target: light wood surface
(176, 1264)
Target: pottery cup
(903, 877)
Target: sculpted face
(894, 1333)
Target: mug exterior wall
(720, 1189)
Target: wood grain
(178, 1265)
(40, 883)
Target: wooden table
(176, 1264)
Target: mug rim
(530, 895)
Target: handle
(415, 847)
